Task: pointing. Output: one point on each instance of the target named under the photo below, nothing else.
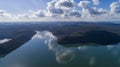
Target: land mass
(19, 39)
(95, 37)
(67, 33)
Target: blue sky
(76, 10)
(21, 6)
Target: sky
(62, 10)
(21, 6)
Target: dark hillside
(97, 37)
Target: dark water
(43, 51)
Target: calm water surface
(43, 51)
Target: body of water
(43, 51)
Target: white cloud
(40, 13)
(60, 8)
(96, 2)
(88, 11)
(32, 15)
(52, 10)
(84, 4)
(65, 10)
(65, 4)
(4, 14)
(115, 7)
(74, 13)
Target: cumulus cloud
(40, 13)
(23, 16)
(65, 4)
(4, 14)
(60, 7)
(31, 15)
(98, 11)
(115, 7)
(96, 2)
(64, 10)
(74, 13)
(52, 10)
(87, 10)
(84, 4)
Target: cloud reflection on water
(63, 54)
(92, 60)
(67, 54)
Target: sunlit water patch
(43, 51)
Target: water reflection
(43, 51)
(92, 60)
(63, 54)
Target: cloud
(65, 4)
(40, 13)
(74, 13)
(84, 4)
(96, 2)
(67, 10)
(60, 8)
(6, 17)
(88, 11)
(52, 10)
(115, 7)
(31, 15)
(4, 14)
